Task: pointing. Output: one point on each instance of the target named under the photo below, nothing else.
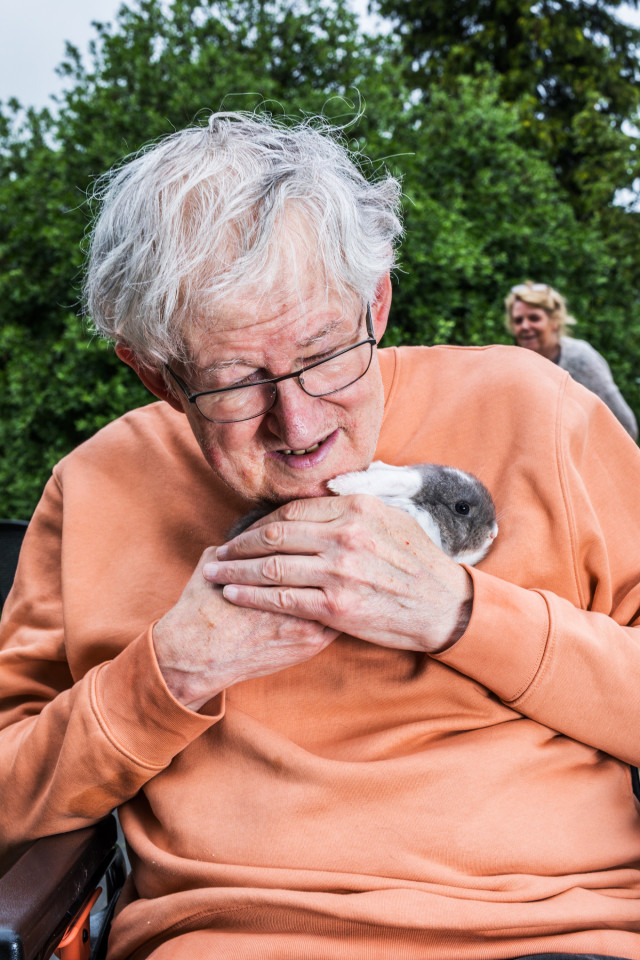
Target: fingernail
(230, 593)
(222, 551)
(210, 571)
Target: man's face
(291, 451)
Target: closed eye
(324, 355)
(256, 377)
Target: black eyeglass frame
(193, 397)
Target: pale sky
(33, 34)
(32, 42)
(32, 39)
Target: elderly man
(325, 738)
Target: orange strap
(76, 941)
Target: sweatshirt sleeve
(574, 667)
(72, 751)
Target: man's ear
(152, 379)
(380, 308)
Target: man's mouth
(298, 453)
(302, 458)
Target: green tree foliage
(484, 206)
(156, 70)
(570, 65)
(481, 214)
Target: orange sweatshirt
(370, 804)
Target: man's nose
(294, 410)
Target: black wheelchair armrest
(45, 888)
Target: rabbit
(453, 507)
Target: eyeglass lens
(329, 376)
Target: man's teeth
(298, 453)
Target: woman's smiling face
(533, 328)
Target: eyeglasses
(521, 288)
(320, 379)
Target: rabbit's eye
(462, 507)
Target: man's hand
(353, 564)
(204, 644)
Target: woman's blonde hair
(539, 295)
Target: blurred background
(514, 128)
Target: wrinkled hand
(353, 564)
(204, 644)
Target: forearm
(89, 748)
(575, 671)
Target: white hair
(202, 215)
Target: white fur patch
(378, 480)
(475, 556)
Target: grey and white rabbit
(453, 507)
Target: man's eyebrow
(217, 365)
(328, 328)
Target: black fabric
(11, 534)
(568, 956)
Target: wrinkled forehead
(294, 302)
(298, 310)
(290, 287)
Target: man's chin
(303, 492)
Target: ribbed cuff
(138, 713)
(504, 643)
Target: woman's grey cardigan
(589, 368)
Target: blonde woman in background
(537, 318)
